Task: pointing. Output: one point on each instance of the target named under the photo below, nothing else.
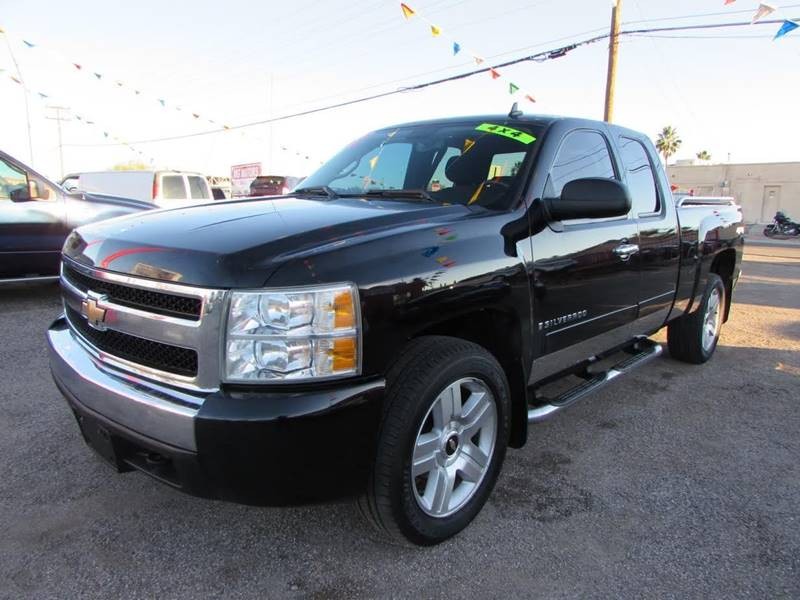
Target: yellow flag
(435, 31)
(373, 161)
(407, 12)
(468, 144)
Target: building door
(771, 202)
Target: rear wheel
(693, 337)
(442, 441)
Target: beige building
(761, 189)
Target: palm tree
(668, 142)
(703, 155)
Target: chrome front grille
(163, 331)
(157, 302)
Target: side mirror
(22, 194)
(590, 198)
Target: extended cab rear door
(585, 276)
(657, 224)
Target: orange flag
(494, 73)
(407, 12)
(530, 98)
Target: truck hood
(239, 244)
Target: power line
(538, 57)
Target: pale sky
(727, 91)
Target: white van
(163, 188)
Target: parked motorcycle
(782, 226)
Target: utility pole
(611, 81)
(58, 118)
(25, 93)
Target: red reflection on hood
(126, 252)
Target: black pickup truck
(36, 215)
(388, 329)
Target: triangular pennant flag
(435, 31)
(456, 48)
(407, 12)
(468, 143)
(729, 2)
(764, 9)
(163, 103)
(530, 98)
(15, 79)
(77, 66)
(787, 27)
(78, 117)
(105, 133)
(2, 30)
(98, 75)
(494, 73)
(178, 108)
(226, 127)
(478, 60)
(137, 92)
(28, 44)
(195, 115)
(512, 88)
(90, 122)
(119, 84)
(372, 162)
(43, 95)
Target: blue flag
(456, 48)
(787, 27)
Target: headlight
(293, 334)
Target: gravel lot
(679, 481)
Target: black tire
(427, 367)
(685, 335)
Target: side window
(384, 167)
(640, 177)
(582, 154)
(173, 188)
(198, 187)
(42, 190)
(11, 180)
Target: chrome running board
(645, 351)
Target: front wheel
(442, 441)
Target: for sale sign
(242, 176)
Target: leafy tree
(704, 155)
(131, 166)
(668, 142)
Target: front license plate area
(101, 441)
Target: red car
(273, 185)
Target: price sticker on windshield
(509, 132)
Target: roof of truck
(533, 119)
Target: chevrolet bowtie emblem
(94, 314)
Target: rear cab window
(640, 176)
(173, 188)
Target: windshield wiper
(419, 194)
(317, 190)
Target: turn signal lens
(344, 354)
(344, 310)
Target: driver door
(32, 229)
(585, 280)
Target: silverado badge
(94, 314)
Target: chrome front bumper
(159, 412)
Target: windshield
(473, 163)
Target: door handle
(625, 251)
